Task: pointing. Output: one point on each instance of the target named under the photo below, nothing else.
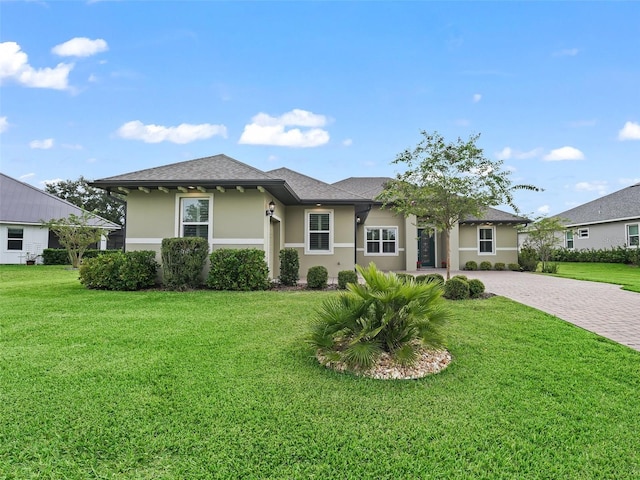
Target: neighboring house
(234, 205)
(23, 208)
(609, 221)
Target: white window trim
(307, 251)
(566, 240)
(381, 253)
(178, 212)
(578, 233)
(493, 239)
(628, 237)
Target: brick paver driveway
(599, 307)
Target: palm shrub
(385, 314)
(317, 277)
(485, 265)
(183, 260)
(430, 277)
(471, 265)
(405, 277)
(289, 266)
(345, 277)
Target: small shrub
(289, 266)
(499, 266)
(183, 260)
(456, 288)
(528, 259)
(485, 265)
(238, 269)
(514, 267)
(120, 271)
(345, 277)
(317, 277)
(476, 288)
(430, 277)
(405, 277)
(471, 265)
(550, 268)
(461, 277)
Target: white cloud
(92, 78)
(477, 97)
(45, 144)
(567, 52)
(564, 153)
(630, 131)
(26, 176)
(544, 209)
(347, 142)
(598, 186)
(183, 133)
(80, 47)
(628, 181)
(507, 153)
(4, 124)
(14, 65)
(267, 130)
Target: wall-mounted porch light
(271, 209)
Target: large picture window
(633, 235)
(319, 232)
(486, 240)
(195, 217)
(15, 236)
(381, 240)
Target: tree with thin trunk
(447, 182)
(544, 236)
(76, 234)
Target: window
(568, 239)
(486, 237)
(381, 240)
(14, 238)
(633, 235)
(583, 233)
(194, 217)
(319, 227)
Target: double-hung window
(15, 236)
(195, 217)
(568, 239)
(319, 232)
(633, 235)
(486, 241)
(381, 240)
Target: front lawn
(206, 384)
(626, 275)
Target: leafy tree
(447, 182)
(91, 199)
(76, 234)
(543, 236)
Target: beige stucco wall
(506, 241)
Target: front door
(426, 248)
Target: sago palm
(385, 314)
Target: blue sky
(329, 89)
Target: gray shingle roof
(496, 216)
(368, 187)
(25, 204)
(310, 189)
(623, 204)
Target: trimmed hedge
(289, 267)
(60, 256)
(317, 277)
(238, 269)
(471, 265)
(120, 271)
(514, 267)
(613, 255)
(183, 260)
(346, 276)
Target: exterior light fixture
(358, 219)
(271, 209)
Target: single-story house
(23, 209)
(609, 221)
(234, 205)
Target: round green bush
(471, 265)
(514, 267)
(461, 277)
(346, 276)
(485, 265)
(499, 266)
(456, 289)
(317, 277)
(476, 288)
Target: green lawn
(152, 385)
(626, 275)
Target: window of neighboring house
(583, 233)
(381, 240)
(15, 236)
(486, 240)
(195, 220)
(319, 227)
(568, 239)
(633, 235)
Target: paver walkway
(598, 307)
